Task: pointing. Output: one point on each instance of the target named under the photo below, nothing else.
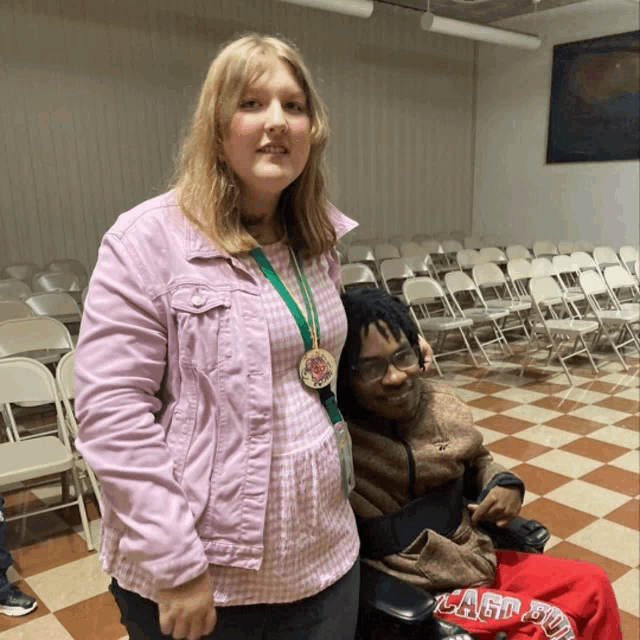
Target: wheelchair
(394, 610)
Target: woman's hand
(427, 353)
(501, 506)
(187, 611)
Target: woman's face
(269, 137)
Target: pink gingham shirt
(310, 537)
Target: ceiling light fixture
(438, 24)
(460, 29)
(358, 8)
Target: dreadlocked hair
(364, 308)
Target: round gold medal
(317, 368)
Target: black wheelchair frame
(394, 610)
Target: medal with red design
(317, 368)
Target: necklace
(317, 367)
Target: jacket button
(197, 301)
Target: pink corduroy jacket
(174, 394)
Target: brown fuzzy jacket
(445, 445)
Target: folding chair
(518, 252)
(435, 251)
(25, 380)
(14, 309)
(497, 294)
(58, 305)
(520, 272)
(491, 240)
(468, 258)
(493, 254)
(605, 257)
(397, 241)
(383, 252)
(55, 281)
(544, 249)
(362, 254)
(65, 381)
(421, 264)
(410, 248)
(583, 245)
(604, 309)
(471, 242)
(628, 255)
(422, 295)
(357, 275)
(566, 247)
(566, 273)
(582, 261)
(21, 271)
(542, 267)
(69, 265)
(450, 248)
(432, 246)
(421, 237)
(546, 295)
(573, 295)
(41, 338)
(14, 288)
(623, 287)
(460, 285)
(395, 272)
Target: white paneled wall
(94, 96)
(517, 195)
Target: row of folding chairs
(24, 380)
(505, 304)
(399, 246)
(30, 348)
(484, 239)
(606, 318)
(26, 271)
(441, 260)
(59, 305)
(398, 279)
(42, 282)
(450, 255)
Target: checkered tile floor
(577, 449)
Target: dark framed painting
(594, 114)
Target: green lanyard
(273, 277)
(326, 395)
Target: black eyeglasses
(374, 369)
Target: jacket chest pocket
(200, 315)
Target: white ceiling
(481, 11)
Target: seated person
(411, 436)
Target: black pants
(328, 615)
(5, 557)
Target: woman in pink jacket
(204, 369)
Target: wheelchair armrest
(382, 592)
(521, 534)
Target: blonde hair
(206, 186)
